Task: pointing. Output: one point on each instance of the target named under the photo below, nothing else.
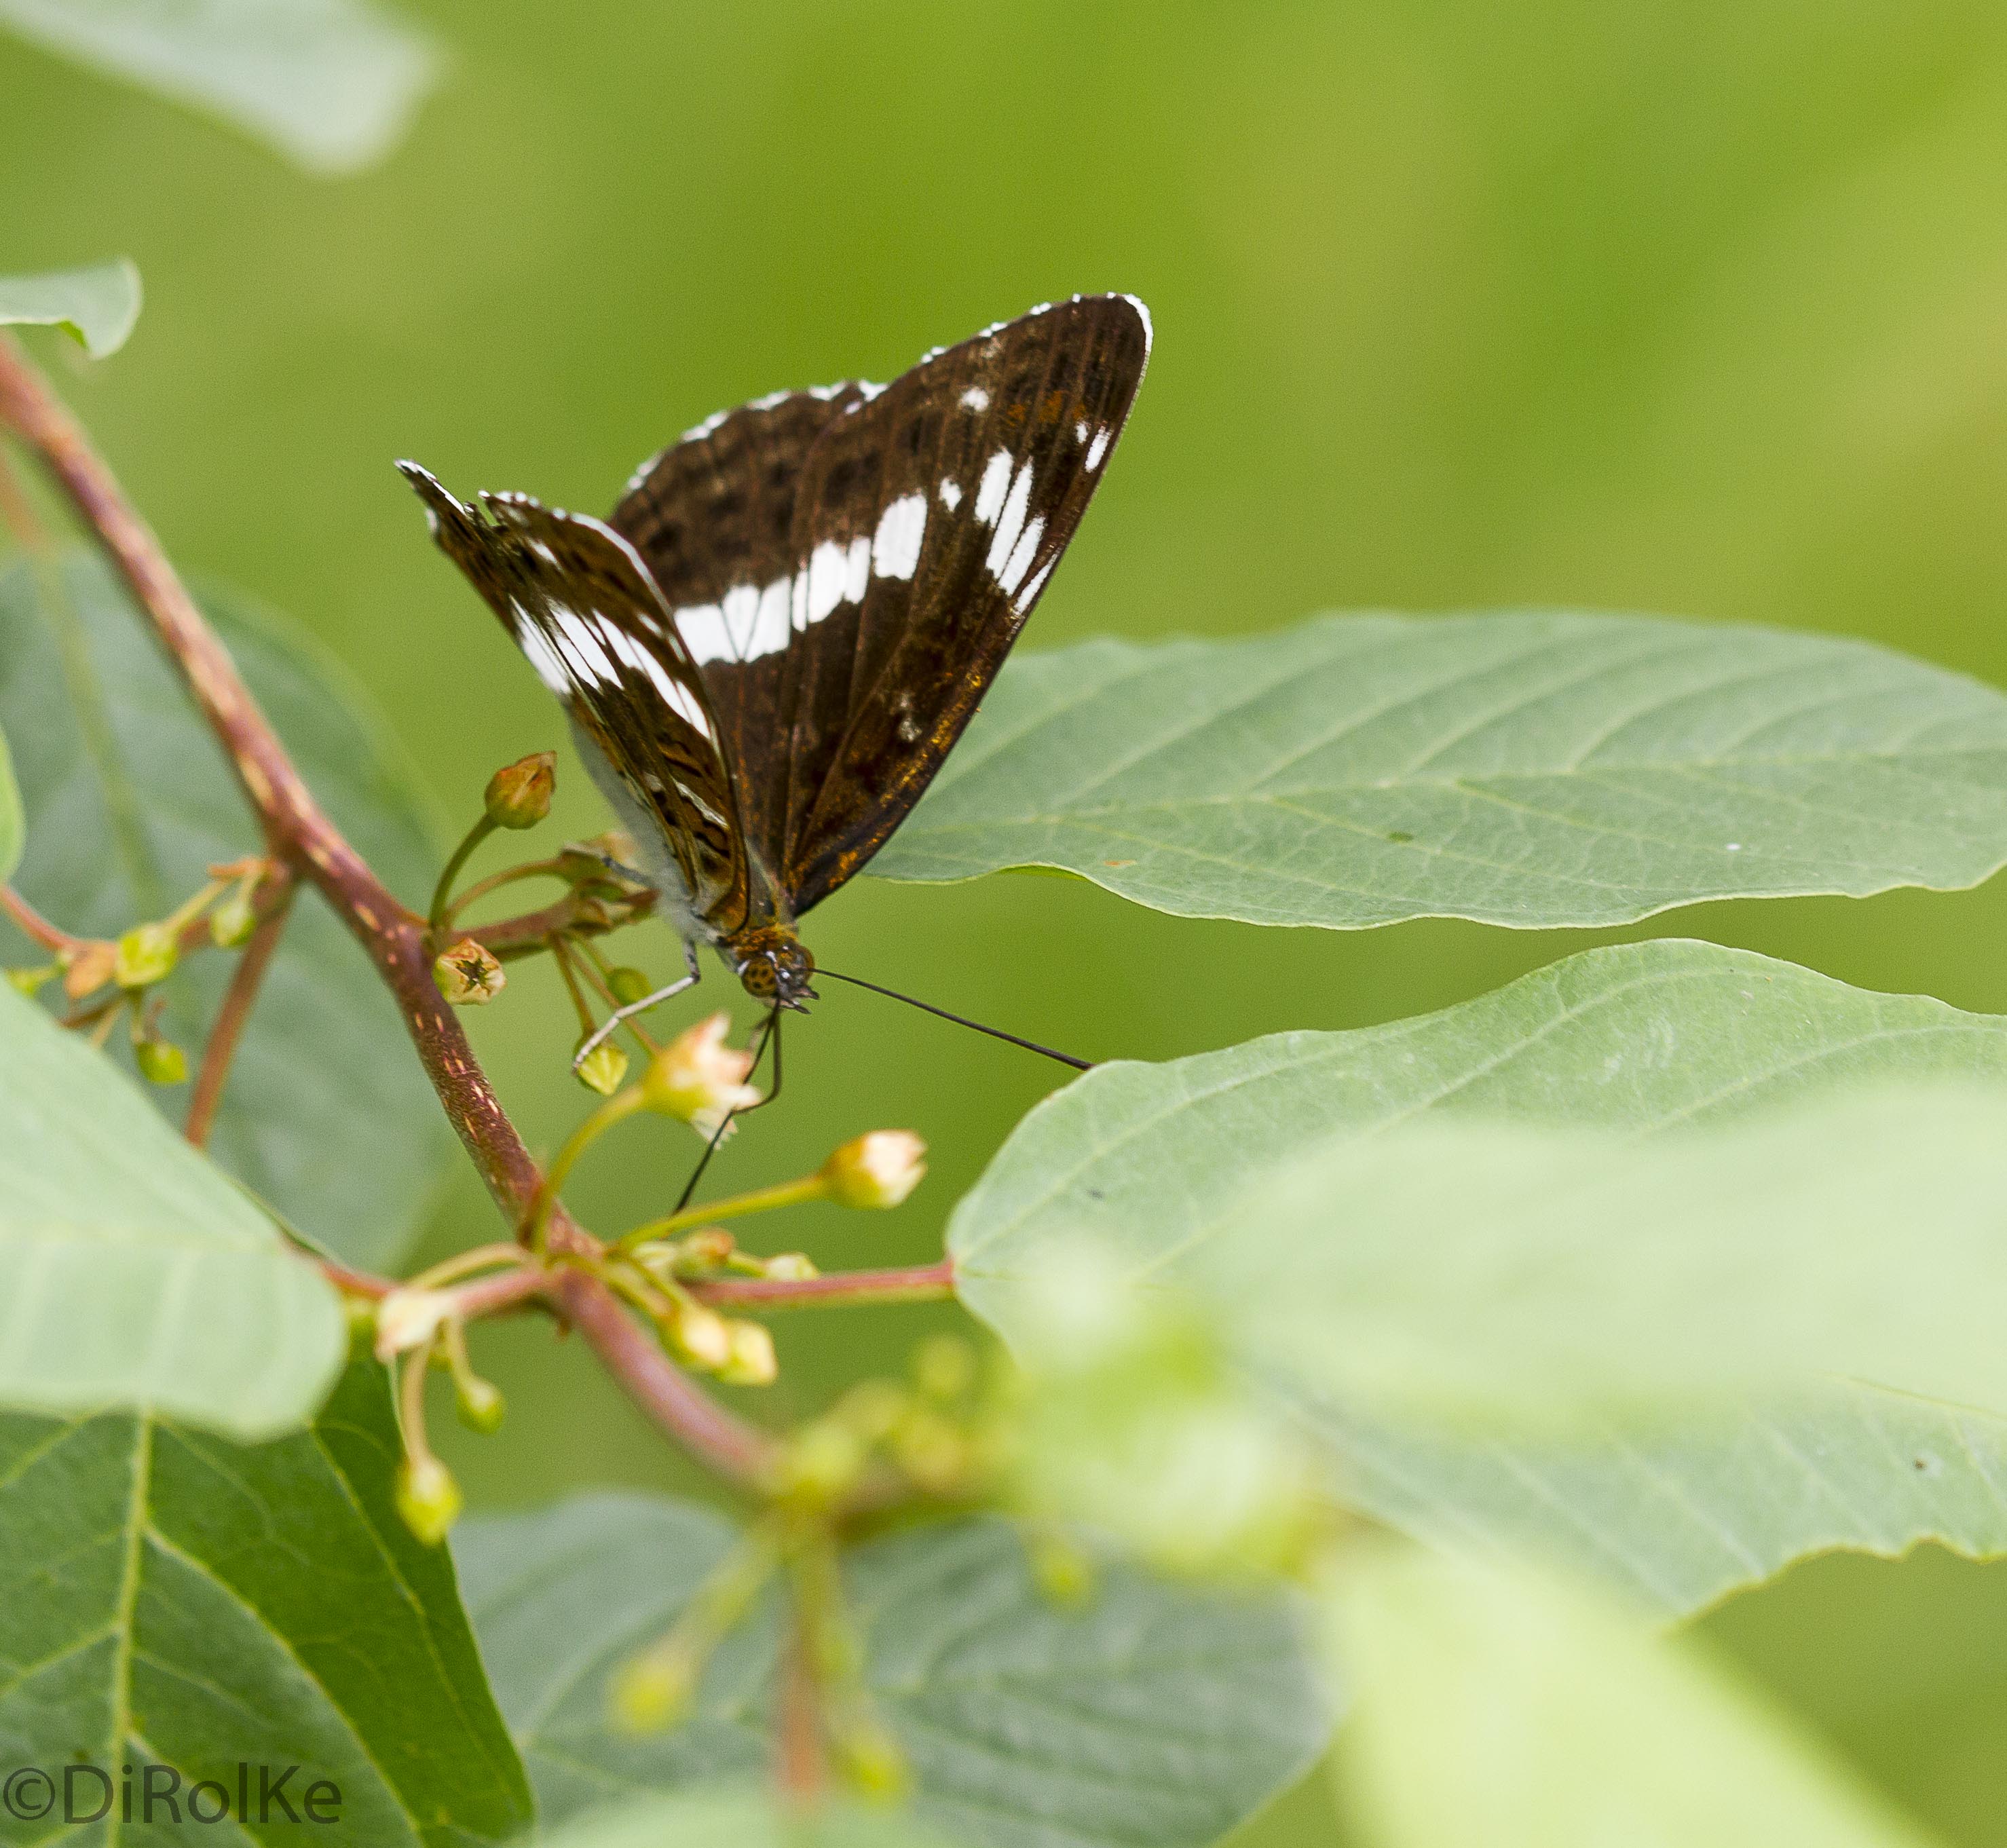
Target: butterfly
(770, 646)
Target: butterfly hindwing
(589, 618)
(924, 518)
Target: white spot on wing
(829, 565)
(581, 639)
(895, 550)
(549, 664)
(1010, 523)
(770, 625)
(681, 702)
(951, 494)
(1023, 600)
(1080, 432)
(857, 569)
(702, 627)
(1149, 332)
(975, 398)
(1020, 560)
(742, 609)
(995, 484)
(1096, 451)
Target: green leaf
(1150, 1160)
(326, 1114)
(95, 307)
(331, 84)
(169, 1599)
(1534, 770)
(1150, 1714)
(1513, 1710)
(131, 1271)
(12, 827)
(738, 1819)
(1496, 1274)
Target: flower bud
(789, 1267)
(28, 981)
(651, 1692)
(699, 1337)
(698, 1079)
(820, 1463)
(161, 1061)
(428, 1497)
(629, 986)
(604, 1068)
(468, 975)
(751, 1361)
(146, 953)
(88, 967)
(520, 795)
(479, 1402)
(408, 1318)
(880, 1170)
(233, 920)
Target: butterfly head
(775, 965)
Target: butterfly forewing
(586, 614)
(923, 519)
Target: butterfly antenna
(769, 1033)
(1030, 1045)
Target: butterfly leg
(611, 1024)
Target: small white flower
(698, 1079)
(880, 1170)
(408, 1318)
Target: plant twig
(299, 834)
(36, 927)
(238, 999)
(910, 1283)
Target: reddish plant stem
(354, 1283)
(36, 927)
(238, 999)
(910, 1283)
(299, 834)
(505, 1289)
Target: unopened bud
(790, 1267)
(479, 1402)
(604, 1068)
(28, 981)
(146, 953)
(651, 1692)
(233, 920)
(469, 975)
(161, 1061)
(629, 986)
(751, 1361)
(944, 1366)
(698, 1079)
(877, 1170)
(820, 1463)
(520, 796)
(428, 1497)
(88, 967)
(873, 1761)
(699, 1337)
(408, 1318)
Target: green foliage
(1142, 1713)
(738, 1819)
(133, 1272)
(167, 1597)
(1502, 1708)
(96, 307)
(326, 1114)
(331, 84)
(1535, 770)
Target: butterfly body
(771, 645)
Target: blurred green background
(1699, 309)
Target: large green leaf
(1150, 1714)
(1494, 1274)
(326, 1114)
(738, 1819)
(96, 307)
(169, 1599)
(11, 824)
(1508, 1709)
(132, 1272)
(1150, 1160)
(332, 84)
(1532, 769)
